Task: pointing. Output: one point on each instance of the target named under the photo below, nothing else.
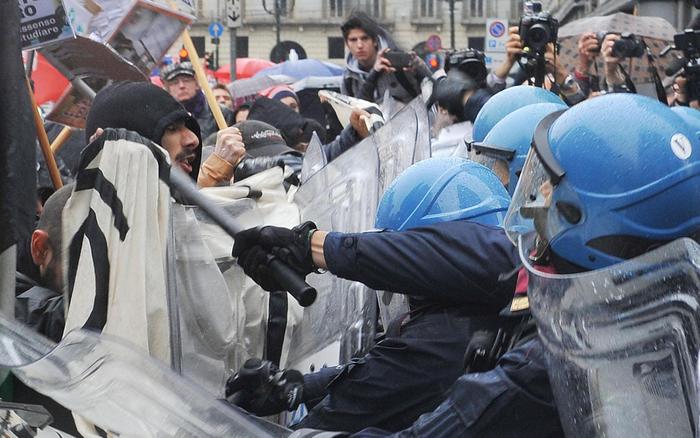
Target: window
(375, 7)
(476, 8)
(242, 47)
(336, 48)
(516, 9)
(426, 8)
(476, 43)
(335, 8)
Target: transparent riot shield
(224, 317)
(112, 384)
(404, 140)
(623, 342)
(340, 197)
(314, 159)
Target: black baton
(285, 276)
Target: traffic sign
(233, 13)
(496, 35)
(216, 29)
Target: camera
(537, 28)
(628, 46)
(471, 62)
(688, 42)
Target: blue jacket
(452, 271)
(457, 262)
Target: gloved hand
(256, 247)
(263, 389)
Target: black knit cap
(141, 107)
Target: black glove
(263, 389)
(256, 247)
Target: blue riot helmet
(608, 180)
(508, 142)
(507, 101)
(691, 116)
(443, 189)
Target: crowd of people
(566, 179)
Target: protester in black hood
(153, 113)
(180, 82)
(460, 96)
(296, 129)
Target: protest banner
(96, 65)
(43, 22)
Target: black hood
(141, 107)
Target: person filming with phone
(375, 65)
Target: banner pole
(60, 139)
(44, 142)
(202, 79)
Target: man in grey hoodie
(368, 74)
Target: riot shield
(314, 159)
(224, 317)
(404, 140)
(341, 197)
(112, 384)
(623, 342)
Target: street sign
(233, 13)
(496, 35)
(216, 29)
(434, 43)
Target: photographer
(369, 72)
(557, 77)
(463, 92)
(588, 50)
(681, 96)
(616, 78)
(497, 79)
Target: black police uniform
(451, 271)
(514, 400)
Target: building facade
(312, 27)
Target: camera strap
(628, 80)
(654, 72)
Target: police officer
(454, 299)
(580, 192)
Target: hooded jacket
(372, 85)
(141, 107)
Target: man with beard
(150, 111)
(180, 82)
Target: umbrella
(245, 68)
(657, 33)
(303, 68)
(244, 90)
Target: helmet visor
(531, 200)
(529, 208)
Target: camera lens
(538, 36)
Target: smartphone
(398, 58)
